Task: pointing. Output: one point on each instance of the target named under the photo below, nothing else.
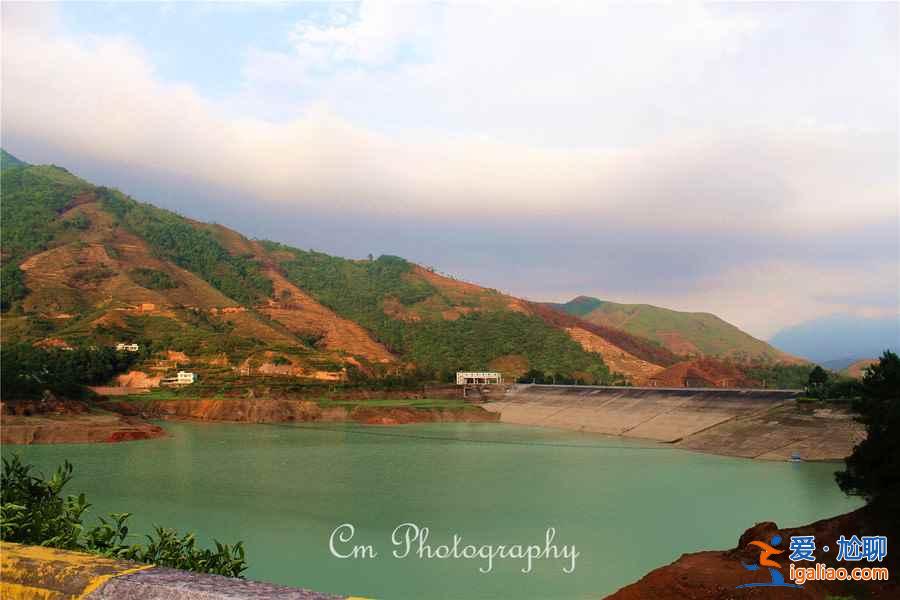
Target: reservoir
(627, 506)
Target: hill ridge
(691, 334)
(87, 264)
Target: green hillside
(407, 312)
(685, 333)
(8, 161)
(87, 265)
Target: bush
(153, 279)
(33, 511)
(12, 286)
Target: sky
(740, 159)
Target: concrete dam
(764, 424)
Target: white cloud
(770, 295)
(586, 114)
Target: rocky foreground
(715, 575)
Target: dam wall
(768, 424)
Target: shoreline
(770, 431)
(92, 428)
(124, 421)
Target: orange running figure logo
(767, 550)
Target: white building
(478, 378)
(123, 347)
(181, 378)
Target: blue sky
(193, 42)
(733, 158)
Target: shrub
(33, 511)
(153, 279)
(12, 286)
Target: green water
(628, 507)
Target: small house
(478, 378)
(181, 378)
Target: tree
(817, 383)
(873, 469)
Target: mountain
(683, 333)
(85, 264)
(8, 161)
(839, 364)
(827, 338)
(858, 368)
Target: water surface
(627, 506)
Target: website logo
(853, 549)
(767, 550)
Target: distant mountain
(684, 333)
(827, 338)
(839, 364)
(858, 368)
(85, 264)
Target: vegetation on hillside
(153, 279)
(873, 469)
(778, 375)
(635, 345)
(27, 371)
(8, 161)
(174, 238)
(12, 285)
(557, 378)
(33, 511)
(439, 326)
(33, 197)
(359, 290)
(677, 330)
(472, 341)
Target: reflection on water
(627, 506)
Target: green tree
(873, 469)
(28, 371)
(817, 383)
(12, 285)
